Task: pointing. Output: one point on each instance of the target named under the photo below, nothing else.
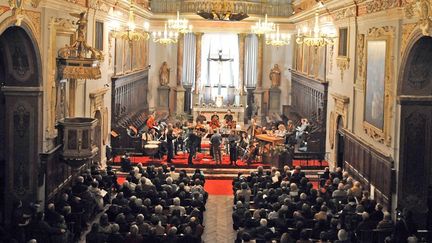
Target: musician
(216, 141)
(200, 118)
(170, 143)
(178, 137)
(150, 135)
(200, 131)
(192, 144)
(253, 127)
(214, 121)
(281, 131)
(232, 142)
(229, 119)
(243, 143)
(151, 122)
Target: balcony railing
(281, 8)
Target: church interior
(215, 121)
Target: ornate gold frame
(342, 62)
(385, 33)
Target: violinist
(200, 131)
(151, 122)
(243, 143)
(229, 119)
(200, 118)
(214, 121)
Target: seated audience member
(386, 223)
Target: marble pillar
(242, 94)
(179, 90)
(197, 69)
(259, 93)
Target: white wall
(282, 56)
(157, 55)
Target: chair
(365, 236)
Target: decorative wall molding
(361, 64)
(343, 64)
(340, 109)
(407, 29)
(380, 5)
(56, 26)
(386, 33)
(344, 13)
(423, 9)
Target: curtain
(219, 78)
(189, 50)
(251, 57)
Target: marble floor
(218, 220)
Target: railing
(282, 8)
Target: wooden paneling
(309, 100)
(369, 166)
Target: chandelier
(278, 39)
(222, 12)
(316, 37)
(180, 25)
(263, 27)
(131, 33)
(165, 37)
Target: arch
(20, 58)
(340, 142)
(31, 33)
(21, 103)
(98, 136)
(417, 40)
(415, 99)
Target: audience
(293, 211)
(152, 205)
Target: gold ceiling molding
(380, 5)
(4, 9)
(344, 13)
(386, 33)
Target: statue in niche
(164, 73)
(275, 76)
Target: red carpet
(219, 187)
(205, 159)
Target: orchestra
(159, 139)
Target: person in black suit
(170, 146)
(232, 141)
(192, 143)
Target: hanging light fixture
(317, 37)
(278, 39)
(131, 32)
(263, 27)
(180, 25)
(165, 37)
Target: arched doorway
(98, 138)
(415, 99)
(340, 147)
(21, 118)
